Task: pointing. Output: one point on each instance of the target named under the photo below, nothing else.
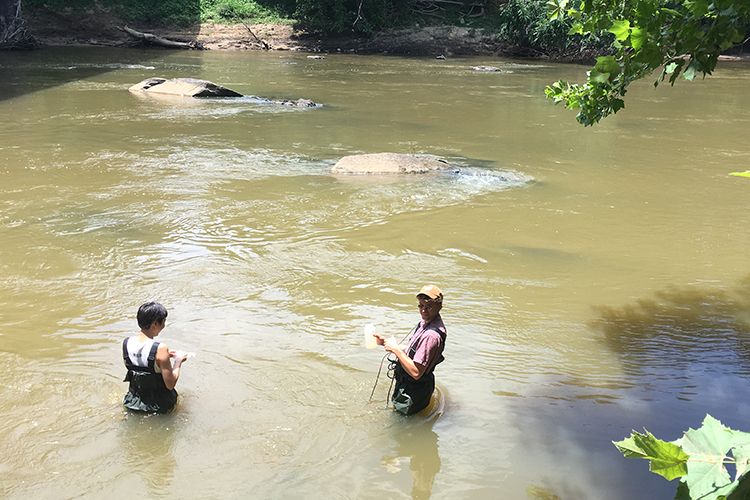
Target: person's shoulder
(436, 331)
(438, 326)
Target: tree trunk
(13, 32)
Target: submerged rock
(185, 87)
(192, 87)
(391, 163)
(297, 103)
(486, 69)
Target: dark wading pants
(411, 396)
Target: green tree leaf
(708, 447)
(637, 37)
(666, 459)
(629, 449)
(596, 76)
(606, 64)
(741, 452)
(689, 73)
(621, 29)
(746, 173)
(686, 35)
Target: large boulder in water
(185, 87)
(391, 163)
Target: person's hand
(391, 345)
(179, 356)
(379, 339)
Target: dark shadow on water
(82, 22)
(680, 328)
(684, 352)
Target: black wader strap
(152, 356)
(126, 359)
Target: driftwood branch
(151, 39)
(262, 42)
(359, 13)
(14, 34)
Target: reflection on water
(681, 328)
(416, 444)
(148, 443)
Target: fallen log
(151, 39)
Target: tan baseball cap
(431, 291)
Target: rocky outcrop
(391, 163)
(191, 87)
(185, 87)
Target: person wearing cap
(414, 366)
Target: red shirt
(427, 344)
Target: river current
(596, 280)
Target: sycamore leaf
(708, 480)
(629, 449)
(596, 76)
(607, 64)
(637, 37)
(746, 173)
(707, 447)
(689, 73)
(741, 444)
(621, 29)
(666, 459)
(741, 456)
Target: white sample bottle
(370, 341)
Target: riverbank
(101, 28)
(98, 28)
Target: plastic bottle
(370, 341)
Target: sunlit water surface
(596, 280)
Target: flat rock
(391, 163)
(185, 87)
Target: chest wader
(411, 396)
(147, 391)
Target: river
(596, 280)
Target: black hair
(150, 313)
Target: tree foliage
(526, 28)
(348, 16)
(679, 37)
(699, 459)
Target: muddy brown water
(596, 280)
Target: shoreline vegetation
(437, 28)
(518, 28)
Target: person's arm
(414, 370)
(169, 373)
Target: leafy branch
(682, 37)
(699, 459)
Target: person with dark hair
(153, 369)
(414, 365)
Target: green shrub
(246, 10)
(525, 24)
(340, 16)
